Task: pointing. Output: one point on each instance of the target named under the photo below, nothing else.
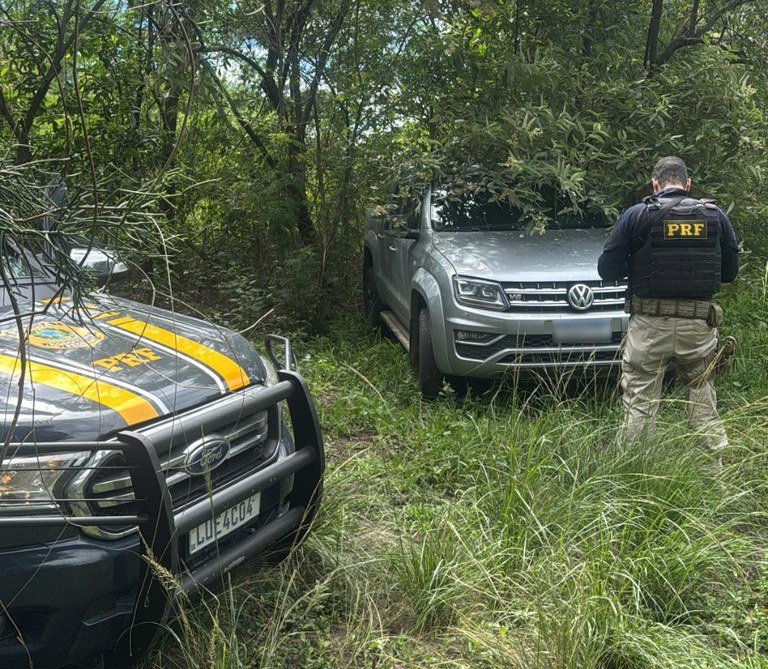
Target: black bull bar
(161, 529)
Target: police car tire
(430, 377)
(372, 304)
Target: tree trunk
(23, 150)
(296, 195)
(654, 28)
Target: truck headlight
(34, 483)
(479, 293)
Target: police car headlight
(34, 484)
(479, 293)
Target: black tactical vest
(679, 255)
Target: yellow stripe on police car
(233, 374)
(131, 407)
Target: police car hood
(555, 255)
(110, 364)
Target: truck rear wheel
(372, 304)
(430, 377)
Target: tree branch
(242, 121)
(322, 61)
(55, 66)
(268, 84)
(691, 35)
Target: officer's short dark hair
(670, 170)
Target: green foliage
(275, 159)
(556, 128)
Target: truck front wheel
(430, 377)
(372, 304)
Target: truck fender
(428, 289)
(369, 244)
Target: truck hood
(113, 363)
(555, 255)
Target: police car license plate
(224, 523)
(582, 331)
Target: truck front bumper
(491, 344)
(64, 601)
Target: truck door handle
(393, 248)
(380, 235)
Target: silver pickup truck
(470, 292)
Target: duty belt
(650, 306)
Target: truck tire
(430, 377)
(372, 304)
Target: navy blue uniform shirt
(626, 238)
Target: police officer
(676, 251)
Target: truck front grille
(552, 296)
(105, 487)
(111, 487)
(560, 358)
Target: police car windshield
(16, 265)
(481, 211)
(25, 278)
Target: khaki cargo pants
(651, 342)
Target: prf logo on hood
(58, 336)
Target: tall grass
(511, 529)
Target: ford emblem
(205, 455)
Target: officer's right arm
(613, 263)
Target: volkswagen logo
(580, 297)
(205, 455)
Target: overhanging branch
(242, 121)
(267, 82)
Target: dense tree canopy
(266, 129)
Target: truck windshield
(479, 212)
